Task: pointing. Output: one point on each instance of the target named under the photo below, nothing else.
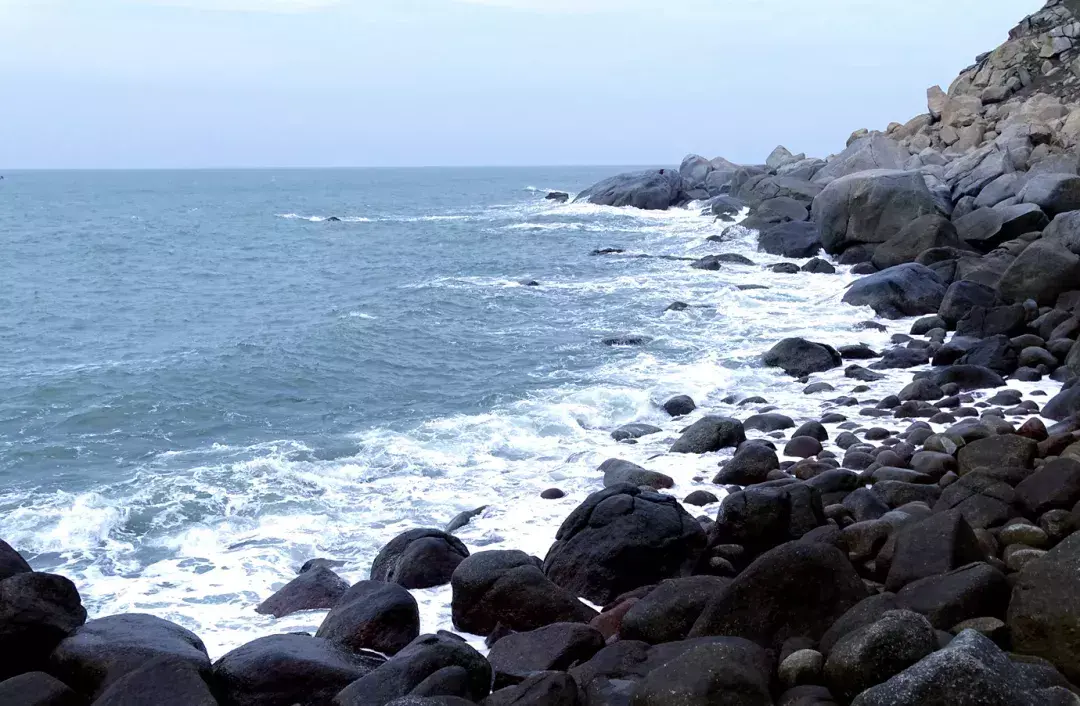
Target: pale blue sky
(194, 83)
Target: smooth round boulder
(161, 682)
(419, 558)
(680, 406)
(315, 589)
(373, 615)
(875, 653)
(903, 290)
(799, 357)
(38, 689)
(37, 611)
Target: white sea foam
(211, 543)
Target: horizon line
(12, 170)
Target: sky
(326, 83)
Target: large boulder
(694, 170)
(877, 652)
(281, 670)
(617, 471)
(37, 611)
(39, 689)
(973, 591)
(936, 545)
(1053, 193)
(873, 152)
(730, 672)
(1054, 486)
(669, 611)
(796, 590)
(961, 297)
(751, 464)
(106, 649)
(622, 538)
(1044, 270)
(925, 232)
(540, 689)
(870, 207)
(552, 648)
(904, 290)
(654, 190)
(797, 239)
(161, 682)
(1044, 614)
(762, 517)
(710, 434)
(970, 671)
(1002, 450)
(799, 357)
(373, 615)
(316, 589)
(11, 562)
(419, 558)
(408, 670)
(1063, 405)
(508, 588)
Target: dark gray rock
(873, 152)
(635, 430)
(161, 682)
(11, 562)
(924, 233)
(669, 611)
(733, 672)
(373, 615)
(419, 558)
(710, 434)
(972, 591)
(37, 611)
(932, 547)
(1054, 486)
(793, 239)
(38, 689)
(508, 588)
(315, 589)
(768, 422)
(620, 539)
(799, 357)
(655, 190)
(617, 471)
(1053, 193)
(540, 689)
(877, 652)
(962, 296)
(551, 648)
(904, 290)
(750, 465)
(679, 406)
(1044, 270)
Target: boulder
(750, 465)
(967, 377)
(962, 296)
(373, 615)
(998, 353)
(694, 170)
(981, 498)
(1009, 450)
(315, 589)
(780, 210)
(795, 590)
(680, 406)
(39, 689)
(617, 471)
(508, 588)
(11, 562)
(1053, 193)
(904, 290)
(877, 652)
(418, 668)
(970, 671)
(1044, 614)
(1043, 271)
(161, 682)
(620, 539)
(925, 232)
(732, 672)
(654, 190)
(419, 558)
(768, 422)
(552, 648)
(634, 431)
(1054, 486)
(710, 434)
(869, 207)
(793, 239)
(1063, 405)
(799, 357)
(762, 517)
(972, 591)
(37, 611)
(669, 611)
(934, 546)
(104, 650)
(540, 689)
(873, 152)
(866, 612)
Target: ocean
(205, 382)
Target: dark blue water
(204, 382)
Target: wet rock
(768, 422)
(669, 611)
(877, 652)
(104, 650)
(418, 663)
(161, 682)
(750, 465)
(507, 587)
(710, 434)
(38, 689)
(419, 558)
(539, 689)
(622, 538)
(760, 518)
(552, 648)
(634, 431)
(700, 498)
(315, 589)
(37, 611)
(792, 239)
(679, 406)
(1003, 450)
(11, 562)
(655, 190)
(617, 472)
(552, 494)
(904, 290)
(766, 602)
(463, 518)
(799, 357)
(372, 615)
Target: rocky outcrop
(654, 190)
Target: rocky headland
(915, 550)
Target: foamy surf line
(225, 533)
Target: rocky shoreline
(912, 550)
